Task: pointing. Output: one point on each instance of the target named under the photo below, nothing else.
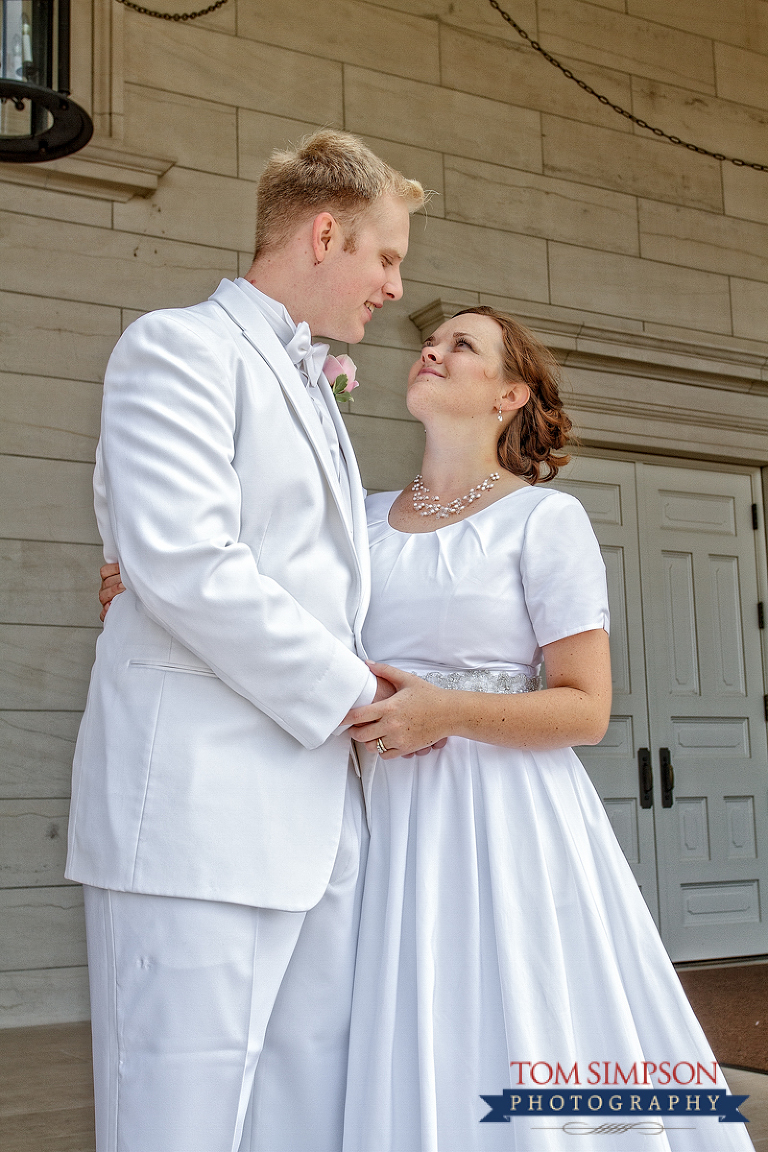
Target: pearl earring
(501, 418)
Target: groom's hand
(412, 721)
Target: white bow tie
(306, 355)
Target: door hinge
(760, 614)
(755, 524)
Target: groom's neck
(283, 276)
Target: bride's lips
(427, 371)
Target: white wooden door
(682, 561)
(606, 488)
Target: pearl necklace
(431, 506)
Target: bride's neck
(453, 462)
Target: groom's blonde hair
(327, 172)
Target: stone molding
(663, 413)
(738, 366)
(102, 169)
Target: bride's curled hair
(540, 428)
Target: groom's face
(362, 278)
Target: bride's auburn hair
(541, 428)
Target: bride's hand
(412, 722)
(111, 586)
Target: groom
(217, 820)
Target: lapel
(262, 338)
(356, 494)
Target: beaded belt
(483, 680)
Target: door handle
(667, 778)
(645, 772)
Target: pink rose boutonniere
(340, 372)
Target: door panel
(680, 623)
(728, 638)
(613, 557)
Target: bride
(502, 931)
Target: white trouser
(220, 1027)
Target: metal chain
(173, 15)
(617, 107)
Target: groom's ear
(325, 230)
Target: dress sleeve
(562, 570)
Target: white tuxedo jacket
(206, 765)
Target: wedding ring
(381, 746)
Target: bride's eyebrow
(455, 336)
(465, 336)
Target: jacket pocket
(160, 666)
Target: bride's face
(460, 369)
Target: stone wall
(645, 266)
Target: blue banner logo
(655, 1102)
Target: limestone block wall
(646, 266)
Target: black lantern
(38, 121)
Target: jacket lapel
(266, 344)
(356, 493)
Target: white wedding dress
(500, 920)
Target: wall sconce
(38, 121)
